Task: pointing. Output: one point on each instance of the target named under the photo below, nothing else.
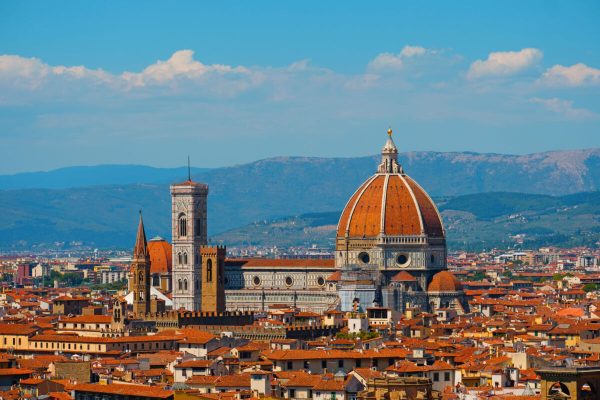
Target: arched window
(185, 258)
(182, 225)
(180, 285)
(155, 280)
(209, 270)
(185, 284)
(180, 257)
(197, 227)
(141, 277)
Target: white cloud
(390, 61)
(180, 65)
(564, 108)
(32, 72)
(411, 51)
(503, 63)
(575, 75)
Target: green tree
(557, 277)
(590, 287)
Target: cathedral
(390, 252)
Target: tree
(591, 287)
(557, 277)
(479, 276)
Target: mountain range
(98, 205)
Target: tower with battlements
(213, 275)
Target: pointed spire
(140, 251)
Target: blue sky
(85, 83)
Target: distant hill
(72, 177)
(473, 222)
(98, 205)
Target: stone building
(390, 242)
(188, 200)
(390, 252)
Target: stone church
(390, 251)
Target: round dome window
(364, 257)
(320, 281)
(289, 281)
(402, 259)
(256, 280)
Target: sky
(229, 82)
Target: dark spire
(140, 251)
(189, 170)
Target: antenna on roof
(189, 170)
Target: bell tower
(188, 201)
(140, 273)
(213, 270)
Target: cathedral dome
(444, 281)
(160, 256)
(390, 203)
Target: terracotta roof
(444, 281)
(392, 204)
(195, 364)
(403, 276)
(15, 371)
(233, 381)
(282, 262)
(124, 390)
(17, 329)
(88, 319)
(160, 256)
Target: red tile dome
(444, 281)
(160, 256)
(390, 203)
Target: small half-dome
(160, 256)
(444, 281)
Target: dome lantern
(389, 157)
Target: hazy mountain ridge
(105, 215)
(458, 173)
(83, 176)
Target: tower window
(185, 261)
(180, 258)
(197, 227)
(185, 285)
(209, 270)
(180, 285)
(182, 225)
